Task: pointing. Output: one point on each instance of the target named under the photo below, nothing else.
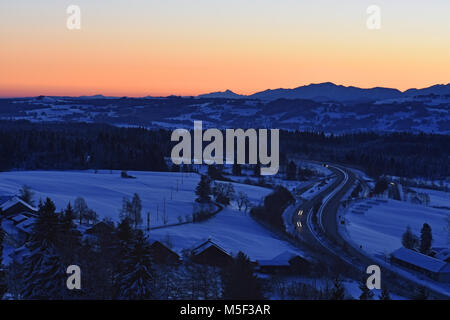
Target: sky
(189, 47)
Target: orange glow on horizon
(172, 53)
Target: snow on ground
(234, 231)
(378, 226)
(317, 188)
(104, 191)
(315, 166)
(352, 289)
(437, 198)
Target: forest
(79, 146)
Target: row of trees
(223, 193)
(294, 172)
(28, 146)
(82, 146)
(422, 244)
(274, 205)
(396, 154)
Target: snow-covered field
(437, 198)
(378, 226)
(104, 191)
(234, 231)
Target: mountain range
(329, 91)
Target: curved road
(324, 235)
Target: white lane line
(329, 196)
(322, 242)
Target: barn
(435, 269)
(163, 254)
(10, 205)
(212, 254)
(100, 228)
(286, 262)
(18, 228)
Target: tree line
(69, 146)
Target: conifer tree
(239, 281)
(44, 272)
(291, 171)
(426, 239)
(409, 240)
(136, 281)
(203, 190)
(70, 238)
(366, 293)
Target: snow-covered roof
(26, 225)
(18, 218)
(8, 202)
(421, 260)
(280, 260)
(442, 253)
(205, 245)
(22, 222)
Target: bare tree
(26, 194)
(132, 210)
(242, 200)
(81, 208)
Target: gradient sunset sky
(188, 47)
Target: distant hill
(439, 89)
(329, 91)
(228, 94)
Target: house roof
(207, 244)
(7, 202)
(421, 260)
(99, 227)
(22, 222)
(442, 253)
(280, 260)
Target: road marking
(329, 196)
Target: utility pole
(148, 220)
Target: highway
(324, 237)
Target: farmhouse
(17, 218)
(435, 269)
(163, 255)
(18, 228)
(100, 228)
(211, 254)
(286, 262)
(10, 205)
